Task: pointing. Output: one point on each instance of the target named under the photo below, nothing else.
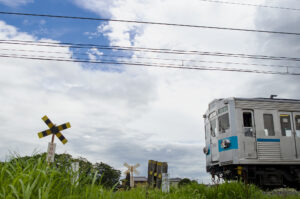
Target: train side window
(269, 125)
(285, 123)
(297, 122)
(213, 127)
(223, 123)
(206, 130)
(248, 124)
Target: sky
(124, 113)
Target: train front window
(223, 123)
(213, 127)
(248, 124)
(223, 110)
(297, 122)
(285, 123)
(269, 125)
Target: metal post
(52, 140)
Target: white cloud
(15, 3)
(139, 113)
(183, 96)
(89, 99)
(98, 6)
(94, 53)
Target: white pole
(131, 177)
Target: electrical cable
(146, 64)
(153, 58)
(152, 50)
(253, 5)
(150, 23)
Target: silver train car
(254, 139)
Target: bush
(184, 181)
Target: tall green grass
(33, 178)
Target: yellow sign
(54, 130)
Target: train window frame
(267, 130)
(297, 124)
(207, 129)
(213, 133)
(220, 122)
(222, 110)
(249, 130)
(212, 115)
(285, 125)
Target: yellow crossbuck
(54, 130)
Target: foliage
(103, 173)
(184, 181)
(106, 175)
(33, 178)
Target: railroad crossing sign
(131, 170)
(54, 130)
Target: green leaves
(33, 178)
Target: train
(256, 140)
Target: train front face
(220, 136)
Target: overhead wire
(55, 44)
(60, 59)
(152, 50)
(253, 5)
(150, 23)
(150, 58)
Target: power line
(150, 23)
(152, 58)
(253, 5)
(151, 50)
(146, 64)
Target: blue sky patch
(65, 30)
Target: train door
(214, 138)
(296, 121)
(267, 135)
(249, 134)
(290, 132)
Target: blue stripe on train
(233, 143)
(208, 148)
(267, 140)
(208, 153)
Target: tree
(106, 175)
(184, 181)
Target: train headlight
(225, 143)
(206, 150)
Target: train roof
(257, 99)
(267, 99)
(275, 101)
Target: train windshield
(223, 119)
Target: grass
(33, 178)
